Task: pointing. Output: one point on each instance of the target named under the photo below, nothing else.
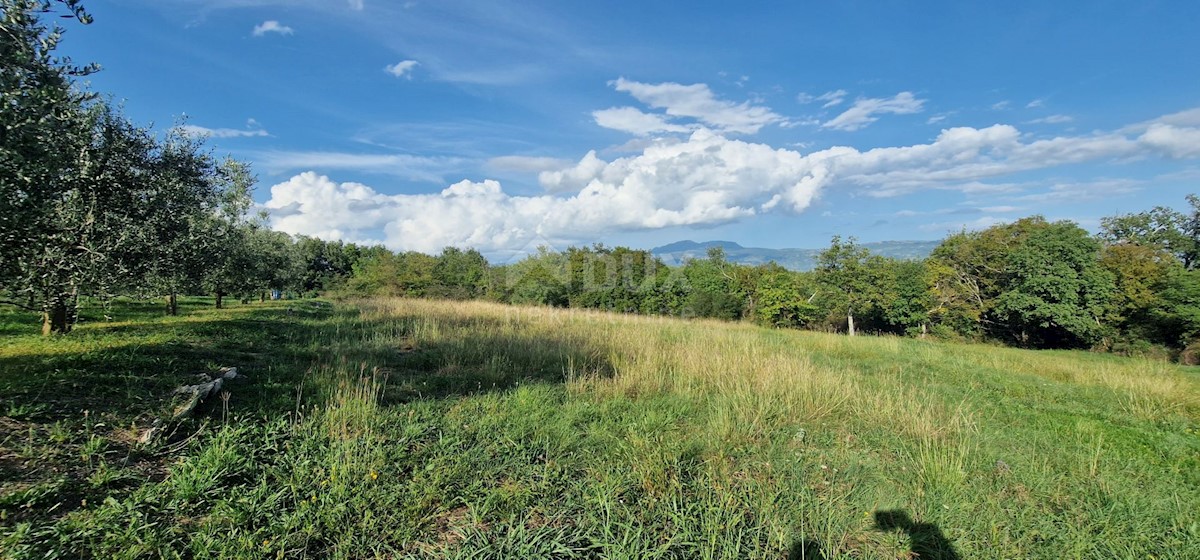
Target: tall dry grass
(754, 379)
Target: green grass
(417, 429)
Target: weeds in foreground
(418, 429)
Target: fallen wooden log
(193, 396)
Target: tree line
(93, 205)
(1133, 288)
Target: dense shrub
(1191, 354)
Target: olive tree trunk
(56, 316)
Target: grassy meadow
(402, 428)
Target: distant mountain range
(793, 259)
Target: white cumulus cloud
(402, 69)
(272, 26)
(1175, 141)
(707, 180)
(704, 180)
(863, 112)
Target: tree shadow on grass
(130, 367)
(123, 373)
(471, 355)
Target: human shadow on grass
(807, 549)
(928, 542)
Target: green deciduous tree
(906, 298)
(711, 290)
(327, 264)
(538, 279)
(617, 279)
(1179, 311)
(1054, 292)
(1163, 228)
(1140, 274)
(377, 273)
(782, 298)
(459, 274)
(968, 271)
(845, 279)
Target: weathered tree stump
(189, 397)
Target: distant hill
(793, 259)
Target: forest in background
(93, 205)
(1133, 288)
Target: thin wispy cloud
(959, 211)
(1082, 191)
(1052, 119)
(194, 130)
(697, 101)
(832, 98)
(415, 168)
(507, 75)
(527, 164)
(633, 121)
(959, 225)
(865, 111)
(272, 26)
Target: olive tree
(43, 125)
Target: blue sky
(504, 125)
